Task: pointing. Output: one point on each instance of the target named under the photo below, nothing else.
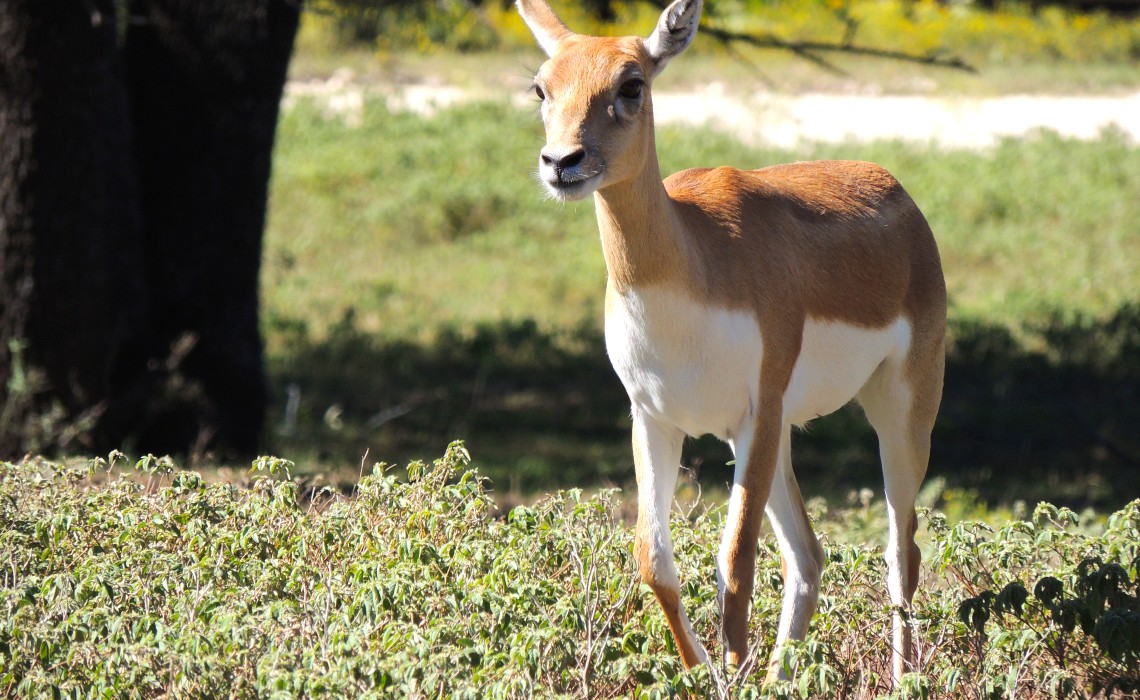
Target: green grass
(418, 287)
(421, 224)
(151, 582)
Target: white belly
(836, 360)
(698, 368)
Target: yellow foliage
(1012, 33)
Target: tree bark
(134, 172)
(68, 219)
(205, 82)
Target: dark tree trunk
(133, 184)
(68, 219)
(205, 82)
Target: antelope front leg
(756, 453)
(657, 458)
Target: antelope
(741, 304)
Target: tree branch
(809, 50)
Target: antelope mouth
(571, 188)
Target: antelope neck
(642, 234)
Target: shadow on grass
(1055, 416)
(536, 410)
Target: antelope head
(595, 93)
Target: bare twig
(809, 50)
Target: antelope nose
(561, 158)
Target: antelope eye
(539, 93)
(631, 89)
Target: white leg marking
(658, 460)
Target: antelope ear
(547, 28)
(675, 31)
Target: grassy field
(149, 582)
(418, 287)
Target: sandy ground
(790, 120)
(957, 122)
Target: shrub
(149, 582)
(1010, 33)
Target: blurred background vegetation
(417, 288)
(976, 31)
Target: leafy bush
(152, 582)
(1013, 32)
(1078, 631)
(451, 24)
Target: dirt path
(952, 122)
(790, 120)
